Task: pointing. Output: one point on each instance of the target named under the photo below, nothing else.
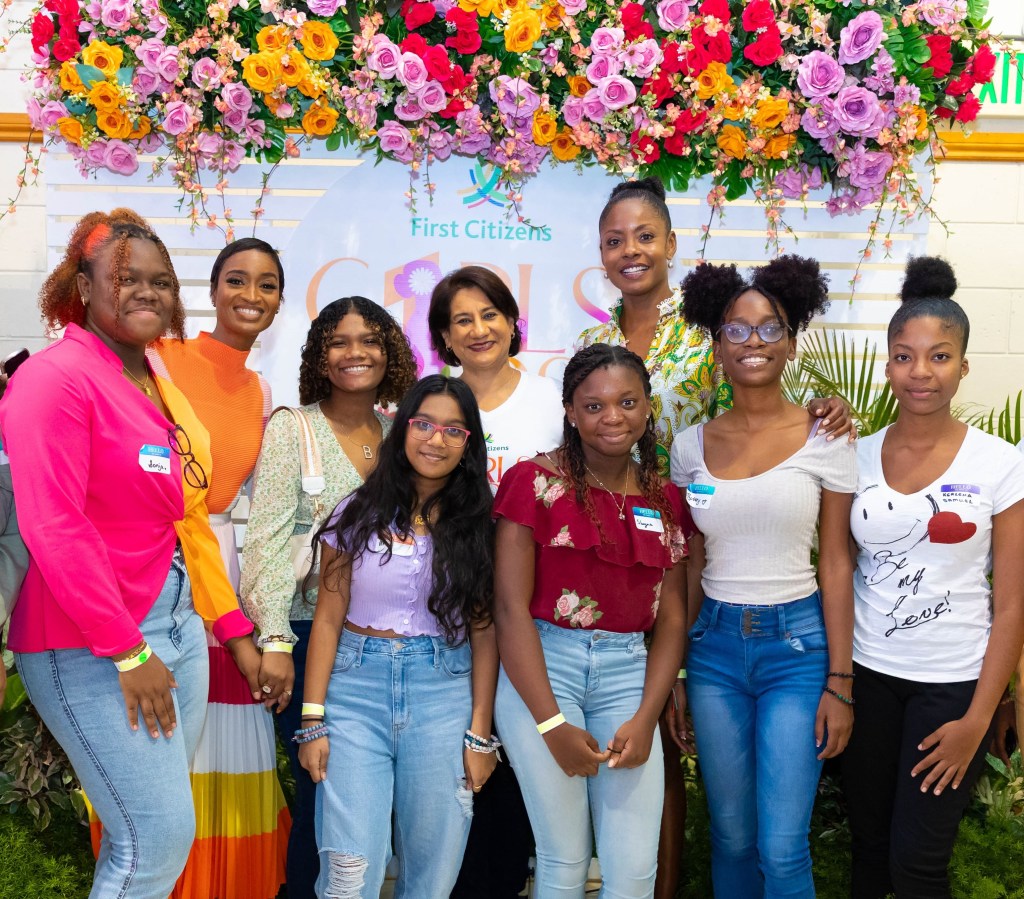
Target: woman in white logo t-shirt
(939, 506)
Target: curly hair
(439, 317)
(929, 283)
(580, 367)
(243, 245)
(794, 286)
(59, 299)
(648, 190)
(462, 589)
(401, 365)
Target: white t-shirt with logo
(922, 599)
(527, 423)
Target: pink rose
(395, 139)
(602, 66)
(149, 52)
(673, 14)
(616, 91)
(554, 492)
(49, 114)
(236, 95)
(819, 75)
(384, 57)
(593, 106)
(323, 8)
(584, 617)
(145, 83)
(206, 74)
(641, 59)
(574, 7)
(861, 37)
(857, 111)
(96, 155)
(819, 120)
(121, 158)
(408, 108)
(231, 156)
(562, 607)
(236, 119)
(208, 144)
(167, 66)
(514, 96)
(868, 168)
(432, 97)
(440, 144)
(572, 111)
(412, 71)
(607, 40)
(177, 118)
(116, 15)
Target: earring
(572, 424)
(671, 263)
(604, 275)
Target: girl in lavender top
(402, 659)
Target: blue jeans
(397, 710)
(598, 680)
(755, 678)
(138, 785)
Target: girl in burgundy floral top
(589, 551)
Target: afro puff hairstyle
(794, 285)
(927, 292)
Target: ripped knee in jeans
(465, 797)
(345, 875)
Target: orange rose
(564, 148)
(733, 111)
(482, 8)
(522, 31)
(142, 127)
(273, 37)
(319, 119)
(775, 146)
(770, 113)
(114, 123)
(318, 41)
(552, 13)
(732, 141)
(261, 71)
(919, 118)
(503, 6)
(105, 97)
(578, 85)
(70, 129)
(69, 81)
(104, 57)
(294, 68)
(310, 88)
(545, 128)
(714, 80)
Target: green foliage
(987, 860)
(1000, 790)
(55, 864)
(1006, 423)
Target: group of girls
(558, 620)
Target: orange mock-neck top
(232, 402)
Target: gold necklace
(365, 447)
(625, 489)
(142, 385)
(419, 520)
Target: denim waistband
(589, 636)
(393, 645)
(764, 621)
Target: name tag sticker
(648, 520)
(400, 547)
(965, 494)
(699, 496)
(156, 459)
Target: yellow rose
(318, 41)
(273, 37)
(104, 57)
(482, 8)
(733, 111)
(553, 13)
(714, 80)
(69, 81)
(775, 146)
(105, 97)
(503, 6)
(319, 119)
(522, 31)
(70, 129)
(770, 113)
(545, 128)
(564, 148)
(142, 127)
(294, 68)
(310, 88)
(114, 123)
(732, 141)
(920, 118)
(261, 71)
(578, 85)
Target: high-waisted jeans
(139, 785)
(598, 680)
(755, 678)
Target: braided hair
(927, 292)
(574, 469)
(59, 299)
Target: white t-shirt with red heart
(923, 604)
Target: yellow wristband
(313, 709)
(681, 675)
(278, 646)
(136, 661)
(550, 724)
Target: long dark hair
(462, 591)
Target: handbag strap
(310, 464)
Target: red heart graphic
(947, 527)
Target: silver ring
(267, 688)
(286, 693)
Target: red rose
(758, 15)
(961, 85)
(633, 22)
(673, 61)
(940, 61)
(67, 45)
(454, 107)
(457, 80)
(660, 87)
(64, 8)
(677, 143)
(464, 41)
(436, 60)
(712, 49)
(414, 43)
(690, 121)
(644, 148)
(969, 107)
(766, 49)
(417, 13)
(982, 65)
(943, 113)
(462, 20)
(42, 32)
(717, 8)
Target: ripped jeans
(397, 710)
(756, 675)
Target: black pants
(902, 838)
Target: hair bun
(706, 290)
(651, 184)
(928, 277)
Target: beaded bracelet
(475, 743)
(847, 674)
(308, 734)
(844, 699)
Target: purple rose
(149, 52)
(906, 93)
(607, 40)
(616, 91)
(440, 144)
(471, 139)
(642, 58)
(121, 158)
(408, 108)
(323, 7)
(395, 140)
(819, 75)
(116, 15)
(857, 111)
(432, 97)
(866, 196)
(177, 118)
(795, 183)
(868, 168)
(151, 142)
(206, 73)
(255, 131)
(236, 95)
(549, 55)
(412, 71)
(601, 66)
(673, 14)
(514, 96)
(572, 111)
(593, 106)
(145, 83)
(208, 144)
(49, 114)
(96, 155)
(861, 37)
(236, 119)
(819, 120)
(384, 57)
